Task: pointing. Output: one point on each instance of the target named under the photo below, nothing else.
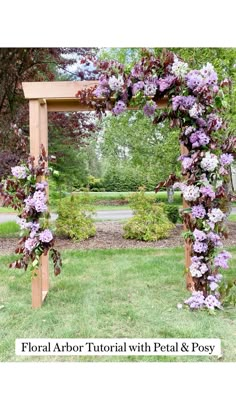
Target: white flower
(150, 89)
(191, 193)
(116, 83)
(179, 306)
(216, 215)
(179, 68)
(196, 111)
(209, 162)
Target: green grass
(232, 218)
(7, 210)
(9, 229)
(110, 294)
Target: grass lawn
(7, 210)
(110, 294)
(9, 229)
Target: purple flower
(137, 71)
(226, 159)
(221, 260)
(196, 301)
(116, 83)
(46, 236)
(30, 244)
(211, 302)
(214, 238)
(194, 80)
(119, 108)
(137, 87)
(187, 162)
(199, 138)
(19, 172)
(200, 247)
(199, 235)
(150, 88)
(198, 267)
(41, 185)
(149, 108)
(198, 212)
(166, 82)
(183, 103)
(207, 192)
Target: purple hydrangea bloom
(187, 162)
(194, 80)
(201, 122)
(166, 82)
(150, 88)
(46, 236)
(214, 238)
(200, 247)
(198, 267)
(211, 302)
(137, 87)
(183, 103)
(199, 138)
(137, 71)
(19, 172)
(198, 212)
(207, 191)
(150, 108)
(196, 301)
(41, 185)
(119, 108)
(30, 244)
(199, 235)
(221, 260)
(226, 159)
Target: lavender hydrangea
(150, 88)
(166, 82)
(198, 212)
(19, 172)
(221, 260)
(216, 215)
(211, 302)
(196, 301)
(179, 68)
(116, 83)
(187, 163)
(200, 247)
(226, 159)
(207, 191)
(41, 185)
(150, 108)
(31, 244)
(183, 103)
(46, 236)
(137, 87)
(199, 235)
(119, 108)
(198, 267)
(214, 238)
(199, 138)
(214, 122)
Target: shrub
(74, 220)
(172, 212)
(149, 222)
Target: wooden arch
(47, 97)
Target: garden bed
(109, 235)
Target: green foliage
(123, 178)
(74, 220)
(172, 212)
(149, 222)
(95, 184)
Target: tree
(37, 64)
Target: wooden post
(44, 141)
(188, 242)
(38, 136)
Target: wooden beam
(188, 242)
(55, 90)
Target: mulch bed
(109, 235)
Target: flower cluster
(194, 97)
(27, 193)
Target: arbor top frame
(60, 96)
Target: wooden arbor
(47, 97)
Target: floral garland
(26, 191)
(195, 101)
